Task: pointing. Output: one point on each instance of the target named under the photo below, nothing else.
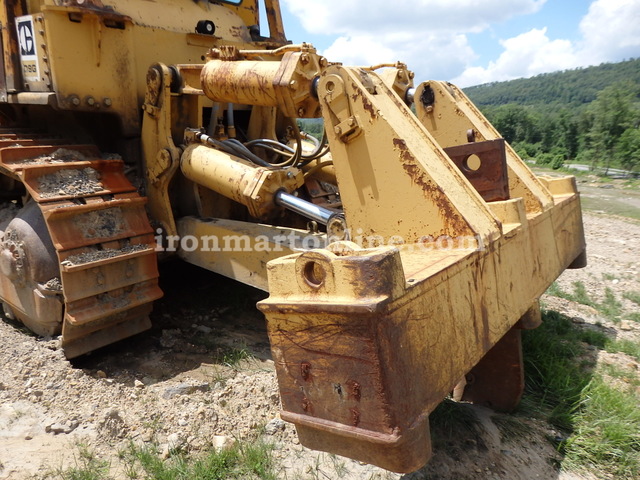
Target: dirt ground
(174, 385)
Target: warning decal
(28, 56)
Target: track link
(97, 223)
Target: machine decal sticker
(28, 56)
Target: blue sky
(469, 42)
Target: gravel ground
(174, 385)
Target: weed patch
(602, 422)
(87, 467)
(632, 296)
(242, 460)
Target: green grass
(247, 460)
(626, 375)
(243, 460)
(624, 346)
(610, 307)
(607, 433)
(87, 467)
(555, 376)
(632, 296)
(601, 421)
(579, 294)
(233, 356)
(633, 316)
(451, 420)
(610, 207)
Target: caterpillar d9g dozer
(403, 253)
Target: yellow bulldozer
(403, 252)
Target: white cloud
(431, 36)
(439, 55)
(374, 17)
(428, 35)
(525, 55)
(611, 31)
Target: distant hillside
(570, 87)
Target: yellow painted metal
(10, 50)
(117, 45)
(240, 250)
(248, 82)
(286, 83)
(160, 154)
(238, 179)
(397, 77)
(418, 193)
(420, 317)
(368, 341)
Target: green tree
(613, 113)
(628, 149)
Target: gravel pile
(72, 182)
(96, 255)
(60, 155)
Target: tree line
(545, 119)
(588, 115)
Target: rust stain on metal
(355, 417)
(305, 370)
(490, 177)
(354, 390)
(431, 190)
(366, 104)
(237, 32)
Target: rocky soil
(204, 376)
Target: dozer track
(86, 222)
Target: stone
(56, 428)
(204, 329)
(274, 426)
(175, 441)
(184, 389)
(222, 442)
(626, 326)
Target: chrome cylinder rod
(304, 208)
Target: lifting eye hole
(472, 163)
(205, 27)
(314, 274)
